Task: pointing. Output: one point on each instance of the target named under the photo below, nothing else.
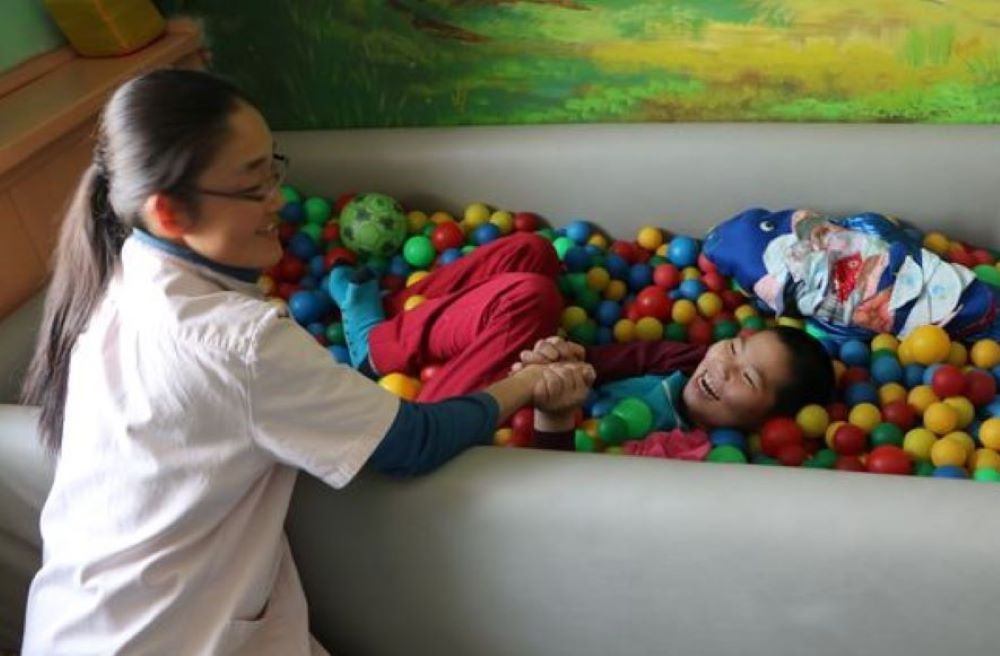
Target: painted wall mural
(354, 63)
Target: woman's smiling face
(737, 383)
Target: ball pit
(921, 405)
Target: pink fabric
(677, 445)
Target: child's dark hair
(157, 134)
(812, 380)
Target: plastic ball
(964, 408)
(562, 246)
(640, 276)
(727, 436)
(987, 475)
(675, 332)
(889, 459)
(855, 353)
(577, 259)
(608, 313)
(666, 276)
(929, 344)
(861, 393)
(913, 375)
(624, 331)
(339, 353)
(726, 454)
(886, 433)
(989, 433)
(849, 463)
(777, 432)
(309, 306)
(937, 243)
(950, 471)
(849, 440)
(572, 316)
(419, 251)
(887, 370)
(373, 224)
(692, 289)
(526, 222)
(598, 279)
(579, 231)
(401, 385)
(292, 212)
(302, 246)
(413, 301)
(891, 392)
(612, 429)
(964, 439)
(637, 416)
(476, 214)
(792, 455)
(485, 233)
(709, 304)
(503, 220)
(899, 413)
(948, 380)
(905, 353)
(918, 443)
(445, 236)
(317, 210)
(616, 290)
(885, 341)
(958, 355)
(683, 251)
(980, 388)
(653, 302)
(865, 416)
(416, 221)
(921, 397)
(986, 354)
(684, 312)
(649, 329)
(813, 420)
(650, 238)
(948, 452)
(940, 418)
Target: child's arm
(555, 421)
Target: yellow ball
(930, 344)
(441, 217)
(503, 436)
(813, 419)
(957, 355)
(589, 427)
(989, 433)
(941, 418)
(885, 341)
(690, 273)
(791, 322)
(662, 250)
(937, 242)
(401, 385)
(891, 392)
(649, 329)
(986, 353)
(905, 353)
(615, 290)
(503, 220)
(413, 301)
(831, 430)
(598, 240)
(683, 311)
(744, 312)
(476, 214)
(984, 459)
(918, 442)
(838, 370)
(964, 439)
(709, 304)
(624, 330)
(416, 277)
(598, 279)
(573, 316)
(948, 452)
(650, 238)
(267, 285)
(416, 221)
(921, 397)
(963, 406)
(865, 416)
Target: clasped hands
(562, 380)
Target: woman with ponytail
(180, 404)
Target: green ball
(588, 299)
(612, 429)
(428, 229)
(290, 194)
(373, 224)
(377, 264)
(988, 274)
(637, 416)
(726, 453)
(584, 333)
(987, 475)
(565, 285)
(577, 282)
(317, 210)
(562, 246)
(546, 233)
(761, 459)
(754, 323)
(335, 333)
(675, 332)
(882, 353)
(314, 230)
(725, 330)
(657, 260)
(886, 433)
(468, 248)
(418, 251)
(923, 468)
(583, 442)
(823, 459)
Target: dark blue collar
(240, 273)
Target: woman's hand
(561, 388)
(550, 350)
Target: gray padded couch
(519, 552)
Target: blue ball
(617, 266)
(316, 266)
(579, 231)
(588, 403)
(887, 370)
(577, 259)
(594, 249)
(640, 276)
(861, 393)
(913, 375)
(683, 251)
(308, 282)
(950, 471)
(398, 266)
(340, 353)
(973, 431)
(485, 233)
(302, 246)
(309, 305)
(929, 374)
(293, 212)
(449, 256)
(605, 335)
(996, 373)
(692, 289)
(607, 313)
(317, 329)
(602, 407)
(855, 353)
(992, 409)
(728, 437)
(675, 294)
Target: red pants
(480, 312)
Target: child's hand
(550, 350)
(562, 387)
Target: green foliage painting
(354, 63)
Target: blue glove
(357, 295)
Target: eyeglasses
(279, 169)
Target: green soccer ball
(373, 225)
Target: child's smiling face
(737, 382)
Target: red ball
(632, 311)
(792, 455)
(339, 255)
(526, 222)
(447, 235)
(285, 290)
(344, 199)
(849, 463)
(900, 413)
(854, 375)
(429, 372)
(700, 332)
(838, 411)
(290, 268)
(732, 299)
(779, 432)
(666, 276)
(625, 250)
(714, 281)
(641, 255)
(706, 264)
(850, 440)
(522, 438)
(393, 283)
(523, 419)
(980, 387)
(889, 459)
(948, 380)
(982, 256)
(960, 255)
(331, 231)
(653, 302)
